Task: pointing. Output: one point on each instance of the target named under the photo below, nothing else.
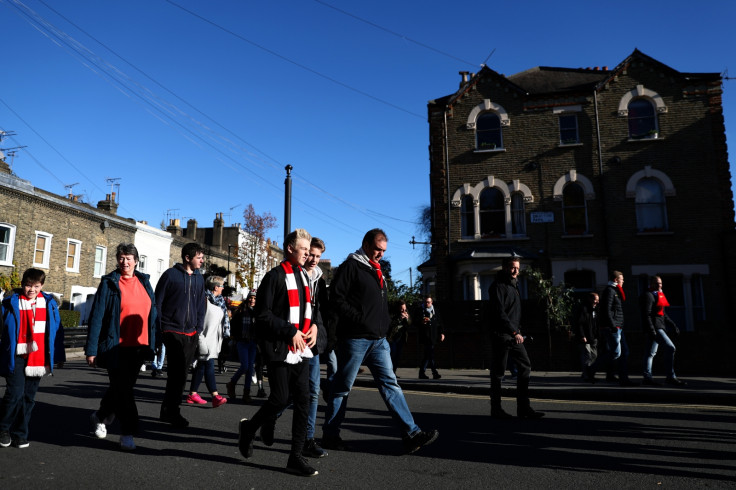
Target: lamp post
(287, 201)
(228, 260)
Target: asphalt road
(578, 445)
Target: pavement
(699, 390)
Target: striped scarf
(294, 357)
(32, 335)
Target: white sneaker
(254, 379)
(98, 428)
(126, 443)
(143, 367)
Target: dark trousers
(180, 349)
(19, 400)
(284, 379)
(119, 398)
(428, 360)
(501, 349)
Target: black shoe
(529, 413)
(333, 442)
(245, 439)
(5, 438)
(312, 450)
(246, 399)
(675, 382)
(628, 382)
(500, 413)
(21, 443)
(649, 382)
(298, 465)
(261, 393)
(267, 430)
(175, 420)
(420, 440)
(436, 376)
(423, 376)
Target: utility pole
(287, 202)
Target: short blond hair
(295, 236)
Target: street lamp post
(228, 260)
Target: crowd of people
(290, 326)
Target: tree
(256, 247)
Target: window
(7, 243)
(574, 210)
(142, 263)
(467, 211)
(492, 214)
(160, 266)
(73, 250)
(651, 213)
(488, 132)
(569, 129)
(100, 261)
(42, 249)
(642, 119)
(518, 214)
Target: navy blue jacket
(180, 301)
(103, 335)
(359, 302)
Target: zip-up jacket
(612, 308)
(180, 301)
(318, 290)
(505, 305)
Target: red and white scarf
(294, 357)
(32, 335)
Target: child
(31, 320)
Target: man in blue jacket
(181, 304)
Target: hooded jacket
(358, 300)
(180, 301)
(318, 290)
(9, 338)
(103, 335)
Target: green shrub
(69, 318)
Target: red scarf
(377, 266)
(661, 302)
(32, 335)
(621, 292)
(294, 357)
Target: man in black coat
(430, 333)
(585, 328)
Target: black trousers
(180, 350)
(119, 398)
(503, 347)
(285, 379)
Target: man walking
(286, 334)
(506, 340)
(656, 322)
(612, 323)
(359, 301)
(430, 332)
(585, 329)
(181, 304)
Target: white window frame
(46, 251)
(160, 266)
(142, 263)
(102, 263)
(10, 245)
(77, 255)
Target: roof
(545, 79)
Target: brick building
(581, 171)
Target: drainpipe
(600, 170)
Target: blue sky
(197, 106)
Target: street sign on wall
(542, 217)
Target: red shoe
(218, 400)
(195, 398)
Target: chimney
(174, 228)
(218, 227)
(464, 75)
(192, 229)
(108, 205)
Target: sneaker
(420, 440)
(423, 376)
(175, 420)
(4, 438)
(230, 390)
(267, 430)
(195, 398)
(501, 414)
(218, 400)
(333, 442)
(247, 399)
(529, 413)
(98, 428)
(312, 450)
(126, 443)
(261, 393)
(675, 382)
(436, 376)
(21, 443)
(254, 380)
(245, 439)
(298, 465)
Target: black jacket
(584, 323)
(429, 333)
(180, 301)
(505, 305)
(611, 308)
(243, 324)
(359, 302)
(650, 320)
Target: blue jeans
(617, 351)
(206, 370)
(668, 347)
(19, 400)
(376, 355)
(313, 396)
(247, 356)
(158, 359)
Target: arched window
(492, 213)
(651, 212)
(518, 215)
(488, 132)
(574, 210)
(467, 217)
(642, 119)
